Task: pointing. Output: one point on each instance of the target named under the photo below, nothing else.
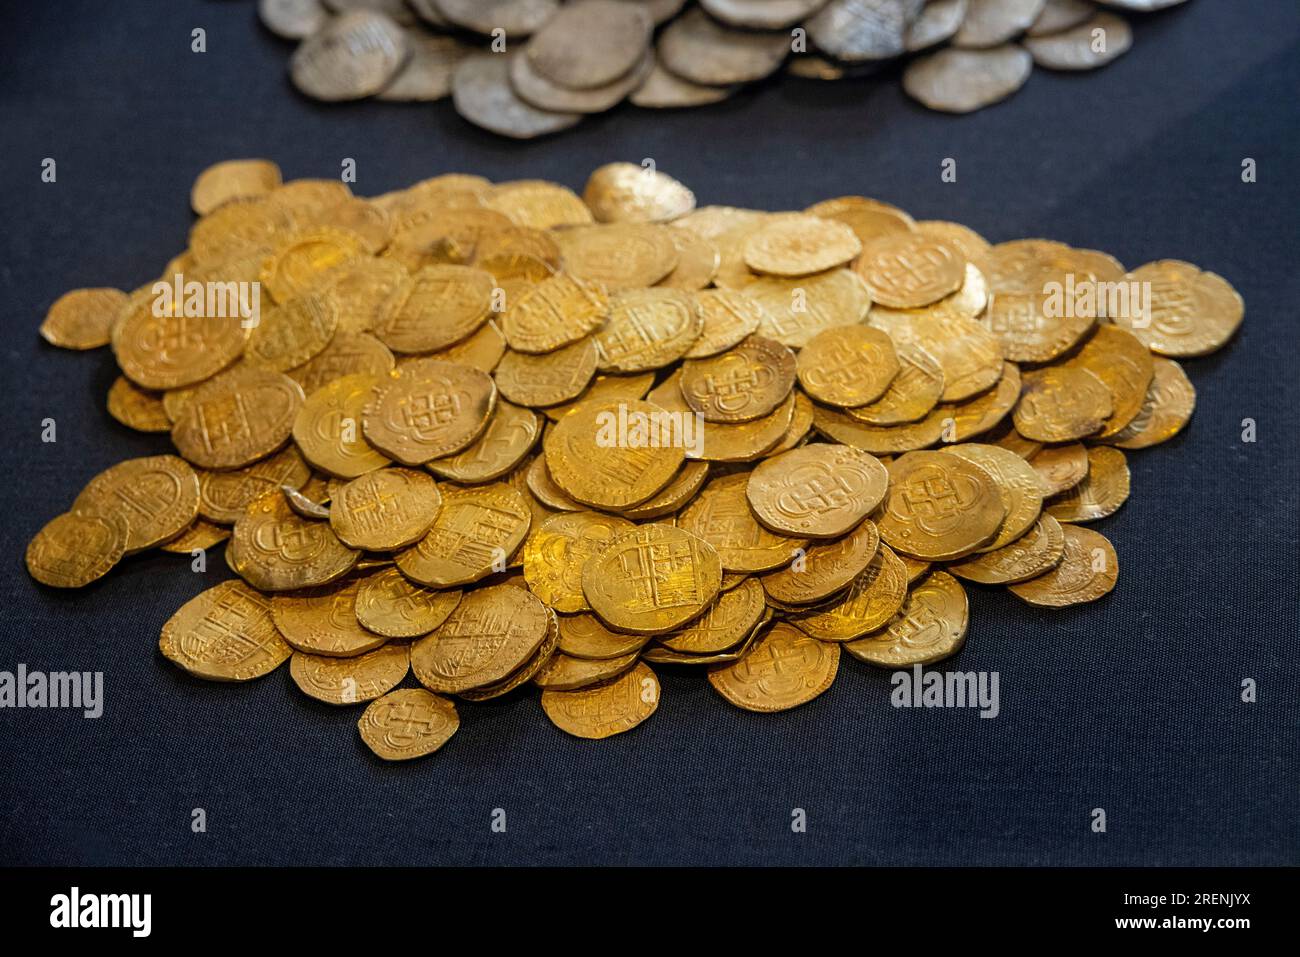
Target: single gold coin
(1061, 404)
(840, 426)
(510, 435)
(492, 632)
(1060, 467)
(697, 262)
(548, 378)
(867, 605)
(543, 488)
(929, 627)
(800, 425)
(293, 332)
(869, 219)
(689, 480)
(275, 550)
(1032, 554)
(783, 669)
(585, 636)
(76, 548)
(553, 313)
(1018, 485)
(390, 605)
(817, 491)
(605, 388)
(408, 723)
(848, 365)
(726, 624)
(910, 395)
(556, 553)
(328, 428)
(652, 580)
(721, 515)
(1191, 313)
(156, 497)
(483, 350)
(350, 680)
(83, 318)
(347, 354)
(238, 418)
(825, 568)
(795, 310)
(200, 536)
(619, 255)
(727, 316)
(368, 292)
(444, 305)
(542, 657)
(562, 673)
(224, 497)
(967, 353)
(614, 455)
(647, 329)
(384, 510)
(980, 414)
(744, 383)
(232, 179)
(501, 245)
(722, 441)
(305, 259)
(538, 204)
(1087, 570)
(323, 621)
(962, 238)
(939, 506)
(904, 270)
(159, 346)
(225, 634)
(1125, 367)
(427, 410)
(797, 244)
(631, 193)
(1103, 490)
(1171, 397)
(606, 709)
(474, 534)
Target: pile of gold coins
(503, 435)
(526, 68)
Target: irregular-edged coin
(783, 669)
(606, 709)
(225, 634)
(408, 723)
(1088, 570)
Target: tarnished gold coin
(848, 365)
(350, 680)
(727, 316)
(1061, 404)
(796, 244)
(156, 497)
(726, 624)
(744, 383)
(83, 318)
(1125, 367)
(510, 435)
(429, 409)
(866, 605)
(825, 568)
(619, 255)
(444, 305)
(783, 669)
(548, 378)
(585, 636)
(408, 723)
(722, 516)
(647, 329)
(200, 536)
(293, 332)
(1037, 551)
(323, 621)
(237, 418)
(904, 270)
(1060, 467)
(328, 428)
(225, 496)
(631, 193)
(1018, 485)
(225, 634)
(554, 313)
(232, 179)
(1171, 397)
(817, 491)
(556, 553)
(652, 580)
(476, 531)
(939, 506)
(614, 455)
(385, 509)
(159, 346)
(929, 627)
(562, 673)
(606, 709)
(911, 394)
(1192, 313)
(1088, 569)
(1103, 490)
(795, 310)
(274, 549)
(492, 632)
(76, 548)
(390, 605)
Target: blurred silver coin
(937, 23)
(663, 91)
(292, 19)
(761, 14)
(961, 81)
(397, 9)
(1141, 6)
(352, 56)
(481, 90)
(518, 18)
(590, 43)
(701, 50)
(427, 11)
(661, 11)
(1060, 15)
(861, 30)
(990, 23)
(536, 89)
(427, 74)
(1085, 47)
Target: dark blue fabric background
(1130, 704)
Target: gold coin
(842, 427)
(232, 179)
(1004, 435)
(305, 504)
(968, 355)
(458, 297)
(562, 673)
(722, 441)
(825, 568)
(293, 332)
(549, 378)
(783, 669)
(1060, 467)
(238, 418)
(795, 310)
(526, 672)
(173, 349)
(619, 255)
(962, 238)
(1037, 551)
(1018, 485)
(585, 636)
(359, 354)
(556, 553)
(800, 424)
(915, 567)
(869, 219)
(390, 605)
(156, 497)
(940, 506)
(1171, 397)
(493, 631)
(350, 680)
(659, 654)
(1124, 366)
(538, 204)
(647, 329)
(721, 515)
(510, 435)
(275, 550)
(630, 193)
(1192, 313)
(797, 244)
(697, 262)
(746, 382)
(866, 606)
(225, 496)
(518, 243)
(543, 488)
(483, 350)
(1087, 570)
(516, 273)
(727, 317)
(328, 427)
(200, 536)
(605, 388)
(726, 624)
(76, 548)
(554, 313)
(848, 365)
(1061, 404)
(429, 409)
(475, 533)
(614, 455)
(688, 481)
(911, 394)
(904, 270)
(818, 491)
(652, 580)
(929, 627)
(83, 318)
(1103, 490)
(1031, 328)
(304, 260)
(323, 621)
(225, 634)
(983, 412)
(368, 292)
(385, 509)
(605, 709)
(408, 723)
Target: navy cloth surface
(1132, 704)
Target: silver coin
(990, 23)
(352, 56)
(292, 19)
(481, 90)
(761, 14)
(937, 23)
(661, 11)
(1085, 47)
(1141, 6)
(427, 74)
(961, 81)
(858, 31)
(698, 49)
(536, 89)
(396, 9)
(663, 91)
(518, 18)
(427, 10)
(1060, 15)
(590, 43)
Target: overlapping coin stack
(524, 68)
(503, 436)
